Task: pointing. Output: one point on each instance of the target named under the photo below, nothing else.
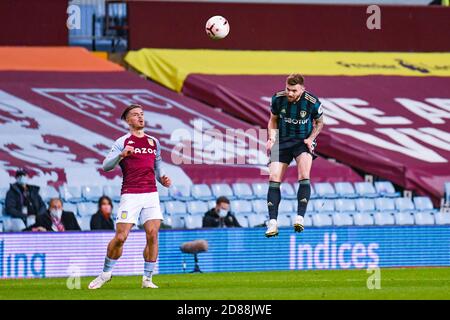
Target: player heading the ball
(295, 122)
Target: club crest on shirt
(124, 214)
(150, 141)
(303, 114)
(283, 110)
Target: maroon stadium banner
(34, 23)
(280, 26)
(394, 127)
(60, 125)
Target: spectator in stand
(22, 199)
(55, 219)
(220, 216)
(102, 220)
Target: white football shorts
(135, 205)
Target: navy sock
(303, 195)
(273, 199)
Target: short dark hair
(128, 109)
(222, 199)
(21, 172)
(295, 79)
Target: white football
(217, 27)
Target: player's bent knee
(152, 235)
(121, 238)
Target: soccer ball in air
(217, 27)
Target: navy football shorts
(285, 153)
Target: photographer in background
(220, 216)
(23, 200)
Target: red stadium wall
(33, 23)
(288, 27)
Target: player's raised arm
(115, 155)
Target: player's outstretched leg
(150, 252)
(303, 195)
(114, 252)
(273, 202)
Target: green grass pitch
(405, 283)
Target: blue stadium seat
(404, 204)
(255, 220)
(345, 190)
(404, 218)
(71, 193)
(222, 189)
(72, 207)
(365, 205)
(442, 218)
(175, 208)
(242, 218)
(13, 224)
(325, 190)
(447, 192)
(243, 191)
(177, 221)
(201, 192)
(383, 218)
(197, 207)
(342, 219)
(241, 206)
(386, 189)
(423, 204)
(307, 222)
(3, 192)
(260, 190)
(344, 205)
(112, 191)
(366, 190)
(260, 206)
(363, 219)
(180, 192)
(324, 206)
(321, 220)
(85, 223)
(285, 207)
(47, 193)
(163, 193)
(31, 220)
(91, 193)
(211, 204)
(86, 209)
(385, 204)
(116, 208)
(284, 220)
(193, 221)
(287, 191)
(423, 218)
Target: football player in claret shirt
(139, 156)
(295, 122)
